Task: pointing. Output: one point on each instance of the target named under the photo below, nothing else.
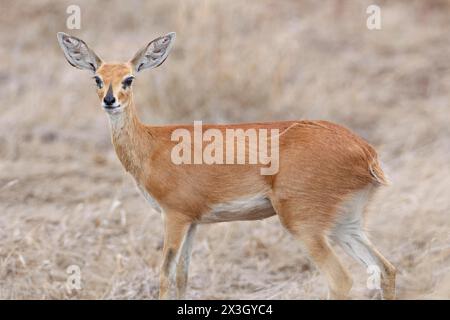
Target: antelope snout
(109, 101)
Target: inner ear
(77, 52)
(154, 53)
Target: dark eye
(127, 82)
(98, 82)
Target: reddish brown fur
(321, 166)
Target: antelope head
(114, 80)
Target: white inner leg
(246, 208)
(349, 233)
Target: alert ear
(78, 53)
(154, 53)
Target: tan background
(64, 198)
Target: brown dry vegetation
(65, 199)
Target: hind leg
(388, 274)
(339, 281)
(349, 234)
(310, 230)
(357, 245)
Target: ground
(65, 199)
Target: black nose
(109, 100)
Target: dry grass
(64, 198)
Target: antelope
(325, 179)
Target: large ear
(78, 53)
(154, 53)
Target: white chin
(114, 110)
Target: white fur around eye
(127, 82)
(98, 82)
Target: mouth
(112, 109)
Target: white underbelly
(247, 208)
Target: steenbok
(323, 180)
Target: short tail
(377, 173)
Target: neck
(125, 121)
(129, 137)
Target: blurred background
(65, 199)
